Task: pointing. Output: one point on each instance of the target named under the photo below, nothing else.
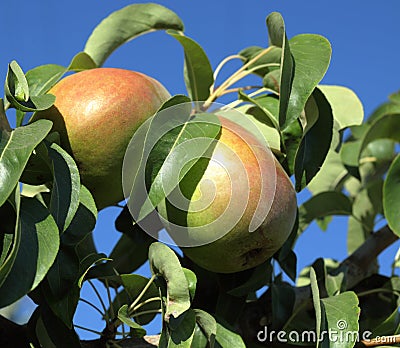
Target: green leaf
(311, 54)
(124, 316)
(366, 205)
(341, 317)
(15, 149)
(165, 263)
(81, 61)
(261, 276)
(267, 63)
(197, 70)
(208, 325)
(66, 187)
(191, 280)
(391, 192)
(133, 286)
(265, 104)
(323, 204)
(346, 106)
(182, 335)
(283, 300)
(127, 23)
(249, 117)
(227, 338)
(43, 77)
(12, 237)
(172, 138)
(18, 95)
(61, 335)
(331, 175)
(37, 251)
(129, 254)
(317, 303)
(84, 220)
(383, 128)
(277, 37)
(16, 83)
(316, 140)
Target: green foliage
(47, 217)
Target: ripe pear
(96, 113)
(241, 173)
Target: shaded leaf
(323, 204)
(37, 251)
(182, 335)
(124, 316)
(267, 63)
(315, 143)
(283, 299)
(15, 149)
(342, 313)
(391, 194)
(125, 24)
(197, 70)
(208, 325)
(316, 302)
(12, 236)
(227, 338)
(66, 187)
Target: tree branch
(258, 314)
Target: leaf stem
(221, 65)
(87, 329)
(92, 305)
(135, 302)
(244, 88)
(235, 77)
(152, 299)
(381, 341)
(100, 300)
(150, 311)
(112, 313)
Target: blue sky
(364, 37)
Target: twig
(381, 341)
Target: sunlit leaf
(346, 106)
(127, 23)
(277, 37)
(165, 263)
(198, 71)
(15, 149)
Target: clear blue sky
(364, 37)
